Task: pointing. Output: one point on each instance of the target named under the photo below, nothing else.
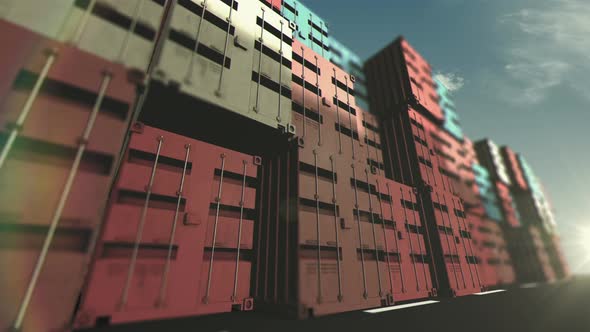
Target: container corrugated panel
(543, 214)
(370, 136)
(178, 236)
(530, 259)
(454, 160)
(350, 62)
(495, 258)
(243, 66)
(299, 269)
(514, 168)
(120, 31)
(410, 84)
(490, 199)
(548, 272)
(73, 86)
(458, 254)
(311, 30)
(560, 260)
(511, 215)
(326, 200)
(490, 156)
(26, 14)
(451, 120)
(411, 265)
(485, 250)
(327, 88)
(60, 280)
(342, 251)
(420, 80)
(274, 4)
(504, 267)
(429, 162)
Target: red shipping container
(455, 240)
(513, 166)
(328, 122)
(407, 76)
(508, 207)
(371, 146)
(420, 77)
(275, 4)
(410, 265)
(43, 87)
(181, 208)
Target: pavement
(559, 307)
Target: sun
(579, 244)
(584, 240)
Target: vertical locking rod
(231, 7)
(242, 198)
(164, 285)
(22, 117)
(189, 72)
(412, 257)
(358, 219)
(335, 202)
(399, 257)
(62, 202)
(217, 207)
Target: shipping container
(330, 242)
(493, 256)
(451, 118)
(490, 156)
(370, 135)
(557, 257)
(178, 235)
(398, 76)
(530, 257)
(455, 257)
(323, 107)
(122, 32)
(275, 5)
(347, 60)
(308, 28)
(509, 209)
(513, 167)
(243, 66)
(65, 113)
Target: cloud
(549, 49)
(451, 81)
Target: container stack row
(173, 158)
(418, 151)
(181, 234)
(536, 212)
(342, 236)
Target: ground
(559, 307)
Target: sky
(521, 74)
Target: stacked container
(63, 169)
(348, 61)
(310, 29)
(186, 203)
(121, 32)
(535, 210)
(178, 235)
(519, 218)
(451, 118)
(219, 156)
(348, 238)
(490, 157)
(418, 152)
(233, 55)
